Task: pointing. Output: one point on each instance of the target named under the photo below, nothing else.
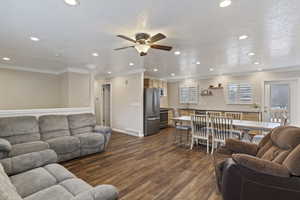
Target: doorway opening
(106, 106)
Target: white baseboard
(40, 112)
(127, 132)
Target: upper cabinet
(154, 83)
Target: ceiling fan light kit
(143, 42)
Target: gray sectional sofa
(30, 148)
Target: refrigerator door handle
(152, 118)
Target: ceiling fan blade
(126, 38)
(123, 48)
(161, 47)
(157, 37)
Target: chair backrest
(82, 123)
(234, 115)
(200, 126)
(279, 116)
(222, 128)
(213, 114)
(19, 129)
(282, 146)
(53, 126)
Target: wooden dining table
(239, 124)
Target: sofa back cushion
(53, 126)
(19, 129)
(82, 123)
(277, 145)
(7, 190)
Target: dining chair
(200, 130)
(213, 114)
(180, 128)
(234, 115)
(222, 129)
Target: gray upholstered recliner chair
(92, 138)
(269, 170)
(20, 144)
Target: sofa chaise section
(51, 182)
(92, 139)
(55, 131)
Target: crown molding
(29, 69)
(201, 77)
(135, 71)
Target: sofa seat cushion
(39, 179)
(91, 140)
(75, 186)
(29, 147)
(65, 144)
(55, 192)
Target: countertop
(221, 110)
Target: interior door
(106, 104)
(280, 99)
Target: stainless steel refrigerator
(151, 111)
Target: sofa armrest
(25, 162)
(101, 192)
(102, 129)
(261, 166)
(5, 146)
(237, 146)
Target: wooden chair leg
(192, 143)
(207, 146)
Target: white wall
(218, 100)
(127, 103)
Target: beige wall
(23, 90)
(32, 90)
(75, 89)
(218, 100)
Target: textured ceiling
(200, 29)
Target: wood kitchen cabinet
(153, 83)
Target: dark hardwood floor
(150, 168)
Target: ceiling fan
(143, 42)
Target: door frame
(110, 103)
(293, 97)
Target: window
(239, 93)
(188, 95)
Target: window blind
(188, 95)
(239, 93)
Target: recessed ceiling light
(172, 74)
(109, 72)
(198, 63)
(243, 37)
(131, 64)
(72, 2)
(35, 39)
(225, 3)
(6, 58)
(259, 69)
(177, 52)
(256, 63)
(251, 54)
(211, 69)
(95, 54)
(155, 70)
